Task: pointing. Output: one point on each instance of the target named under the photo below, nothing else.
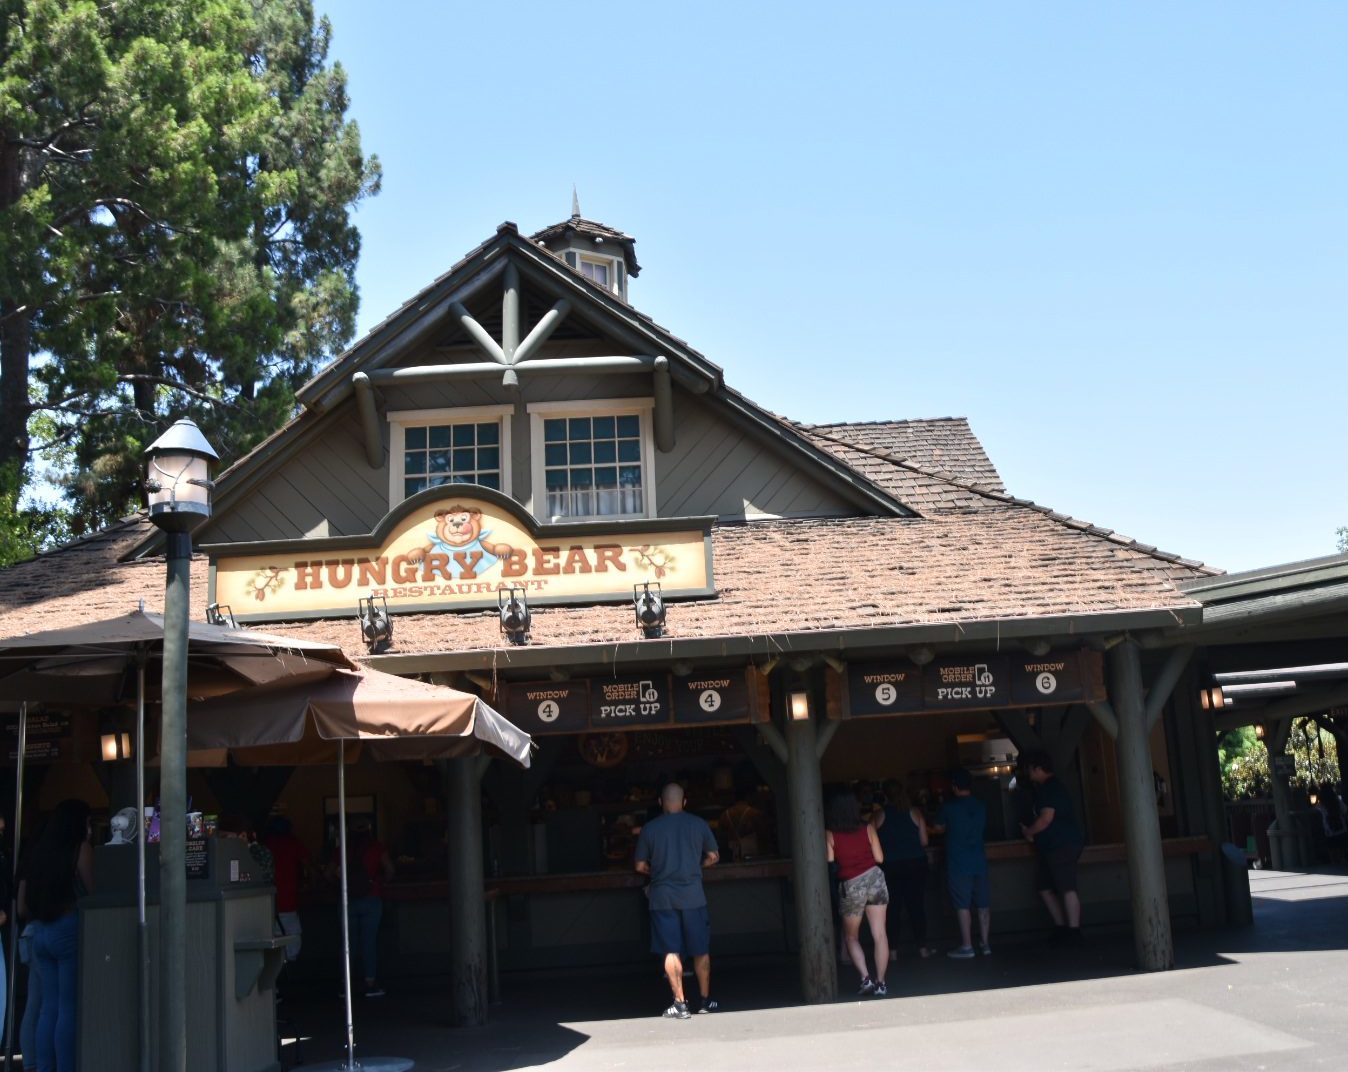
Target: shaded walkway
(1271, 996)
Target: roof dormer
(605, 257)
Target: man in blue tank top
(673, 849)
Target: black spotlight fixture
(220, 614)
(513, 606)
(375, 624)
(650, 609)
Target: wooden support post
(510, 314)
(809, 858)
(1165, 682)
(468, 916)
(1142, 826)
(1103, 712)
(664, 406)
(369, 420)
(1288, 856)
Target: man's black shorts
(1056, 869)
(685, 931)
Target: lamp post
(179, 487)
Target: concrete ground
(1274, 996)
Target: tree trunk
(16, 335)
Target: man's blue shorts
(685, 931)
(969, 891)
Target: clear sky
(1114, 236)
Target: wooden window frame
(605, 407)
(400, 420)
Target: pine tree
(175, 198)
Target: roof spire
(575, 202)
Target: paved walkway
(1274, 996)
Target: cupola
(605, 257)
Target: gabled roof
(383, 344)
(939, 444)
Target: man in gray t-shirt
(673, 849)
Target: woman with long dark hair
(368, 867)
(60, 872)
(862, 890)
(903, 837)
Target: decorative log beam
(1104, 714)
(483, 370)
(547, 324)
(369, 419)
(664, 406)
(1307, 703)
(476, 332)
(510, 313)
(772, 737)
(1165, 682)
(825, 737)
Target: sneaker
(678, 1011)
(709, 1005)
(985, 949)
(867, 988)
(964, 952)
(880, 991)
(375, 992)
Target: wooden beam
(664, 406)
(1016, 723)
(467, 910)
(476, 332)
(510, 313)
(369, 419)
(772, 737)
(1104, 714)
(1306, 703)
(809, 865)
(547, 324)
(1165, 682)
(479, 370)
(824, 738)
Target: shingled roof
(800, 577)
(938, 445)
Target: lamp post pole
(179, 496)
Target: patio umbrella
(103, 663)
(394, 717)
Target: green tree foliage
(176, 189)
(1244, 760)
(1342, 534)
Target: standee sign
(984, 681)
(454, 549)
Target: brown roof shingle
(772, 577)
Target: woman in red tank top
(855, 848)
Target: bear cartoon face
(458, 526)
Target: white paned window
(594, 461)
(469, 446)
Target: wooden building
(713, 592)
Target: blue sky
(1113, 236)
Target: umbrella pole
(142, 930)
(346, 919)
(11, 953)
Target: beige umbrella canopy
(393, 717)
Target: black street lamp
(179, 487)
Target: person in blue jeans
(964, 820)
(60, 873)
(368, 867)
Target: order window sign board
(977, 682)
(454, 548)
(638, 701)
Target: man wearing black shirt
(1058, 841)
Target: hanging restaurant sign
(638, 701)
(984, 681)
(454, 548)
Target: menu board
(47, 733)
(198, 859)
(638, 701)
(976, 683)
